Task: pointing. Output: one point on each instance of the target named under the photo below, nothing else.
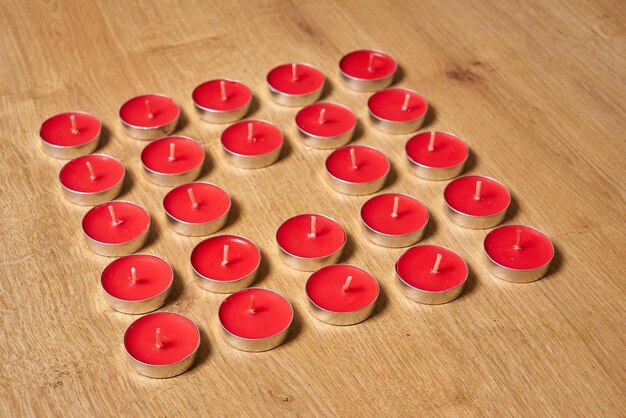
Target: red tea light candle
(149, 116)
(295, 84)
(116, 228)
(252, 143)
(172, 160)
(197, 209)
(367, 70)
(431, 274)
(397, 111)
(309, 242)
(222, 101)
(137, 283)
(162, 344)
(255, 319)
(71, 134)
(436, 155)
(394, 219)
(342, 294)
(518, 253)
(92, 179)
(476, 202)
(357, 169)
(326, 125)
(225, 263)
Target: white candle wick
(322, 118)
(225, 257)
(313, 232)
(92, 174)
(396, 203)
(370, 63)
(158, 339)
(74, 129)
(435, 268)
(114, 219)
(353, 159)
(405, 104)
(192, 197)
(294, 71)
(252, 305)
(518, 240)
(431, 143)
(149, 109)
(223, 90)
(172, 155)
(477, 192)
(346, 285)
(133, 276)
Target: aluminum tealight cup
(369, 85)
(67, 152)
(148, 133)
(91, 199)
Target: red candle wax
(131, 221)
(159, 157)
(325, 120)
(389, 105)
(447, 150)
(394, 214)
(210, 259)
(153, 276)
(149, 111)
(211, 202)
(179, 338)
(367, 65)
(534, 250)
(415, 267)
(460, 195)
(272, 313)
(329, 290)
(307, 79)
(362, 165)
(76, 175)
(70, 129)
(209, 95)
(295, 236)
(252, 138)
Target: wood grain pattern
(537, 89)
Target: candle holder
(432, 172)
(165, 178)
(162, 371)
(357, 188)
(332, 140)
(140, 306)
(92, 198)
(214, 115)
(370, 83)
(66, 152)
(295, 99)
(255, 160)
(147, 133)
(405, 125)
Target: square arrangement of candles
(163, 344)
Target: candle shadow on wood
(234, 213)
(431, 228)
(431, 116)
(512, 211)
(359, 130)
(203, 351)
(399, 76)
(129, 181)
(327, 90)
(295, 329)
(207, 166)
(183, 121)
(381, 302)
(348, 249)
(263, 271)
(286, 151)
(392, 177)
(155, 232)
(470, 163)
(555, 264)
(177, 289)
(254, 107)
(105, 138)
(470, 284)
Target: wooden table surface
(537, 89)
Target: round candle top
(91, 173)
(397, 105)
(431, 268)
(311, 236)
(477, 196)
(357, 164)
(116, 222)
(252, 137)
(295, 79)
(149, 111)
(367, 65)
(255, 313)
(225, 258)
(172, 155)
(137, 277)
(221, 95)
(394, 214)
(519, 247)
(342, 288)
(161, 338)
(70, 129)
(325, 119)
(197, 202)
(436, 150)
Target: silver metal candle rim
(314, 136)
(163, 371)
(355, 188)
(391, 240)
(172, 179)
(295, 100)
(397, 127)
(476, 221)
(67, 152)
(443, 173)
(312, 263)
(199, 228)
(514, 275)
(343, 318)
(256, 344)
(222, 116)
(139, 306)
(120, 248)
(148, 133)
(93, 198)
(430, 297)
(254, 161)
(226, 286)
(369, 84)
